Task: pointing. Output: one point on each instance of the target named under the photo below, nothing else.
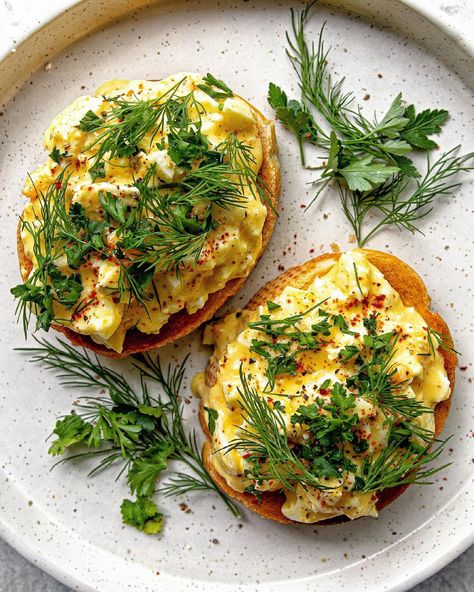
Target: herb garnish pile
(331, 420)
(167, 227)
(137, 428)
(368, 160)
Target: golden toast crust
(182, 323)
(412, 291)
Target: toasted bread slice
(182, 323)
(413, 293)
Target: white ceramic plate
(70, 525)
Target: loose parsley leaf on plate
(139, 428)
(368, 160)
(365, 175)
(293, 115)
(70, 430)
(142, 514)
(421, 125)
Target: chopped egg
(236, 115)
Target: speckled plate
(70, 525)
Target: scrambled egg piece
(423, 377)
(230, 250)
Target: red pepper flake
(378, 301)
(246, 455)
(58, 185)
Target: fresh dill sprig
(128, 425)
(119, 133)
(399, 465)
(375, 378)
(239, 156)
(402, 202)
(213, 182)
(367, 160)
(266, 443)
(440, 339)
(168, 235)
(46, 284)
(186, 445)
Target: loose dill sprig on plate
(401, 202)
(368, 160)
(123, 424)
(187, 448)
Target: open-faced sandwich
(155, 203)
(323, 397)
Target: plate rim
(457, 34)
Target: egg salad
(149, 201)
(326, 394)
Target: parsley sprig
(139, 428)
(368, 160)
(285, 341)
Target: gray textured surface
(18, 575)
